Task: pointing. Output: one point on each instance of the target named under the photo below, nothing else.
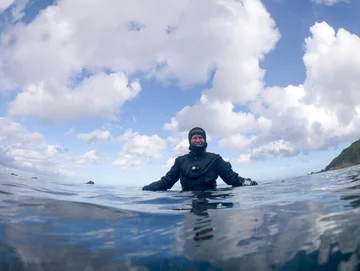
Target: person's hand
(248, 181)
(151, 187)
(147, 188)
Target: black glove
(153, 187)
(248, 181)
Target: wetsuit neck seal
(196, 149)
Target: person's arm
(167, 181)
(229, 176)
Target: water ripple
(305, 223)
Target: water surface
(306, 223)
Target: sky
(108, 90)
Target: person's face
(197, 140)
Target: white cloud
(4, 4)
(89, 157)
(126, 136)
(148, 147)
(128, 161)
(250, 33)
(13, 132)
(329, 2)
(325, 109)
(69, 132)
(138, 149)
(237, 143)
(181, 147)
(95, 136)
(218, 118)
(98, 95)
(284, 121)
(46, 43)
(52, 150)
(273, 149)
(333, 64)
(243, 38)
(278, 148)
(17, 12)
(288, 115)
(58, 63)
(304, 126)
(173, 140)
(24, 150)
(169, 163)
(230, 36)
(243, 159)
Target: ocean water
(305, 223)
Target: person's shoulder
(212, 155)
(182, 157)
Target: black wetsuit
(197, 171)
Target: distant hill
(348, 157)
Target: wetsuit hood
(197, 131)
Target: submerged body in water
(307, 223)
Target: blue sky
(109, 93)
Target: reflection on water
(203, 228)
(308, 223)
(287, 236)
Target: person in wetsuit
(199, 169)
